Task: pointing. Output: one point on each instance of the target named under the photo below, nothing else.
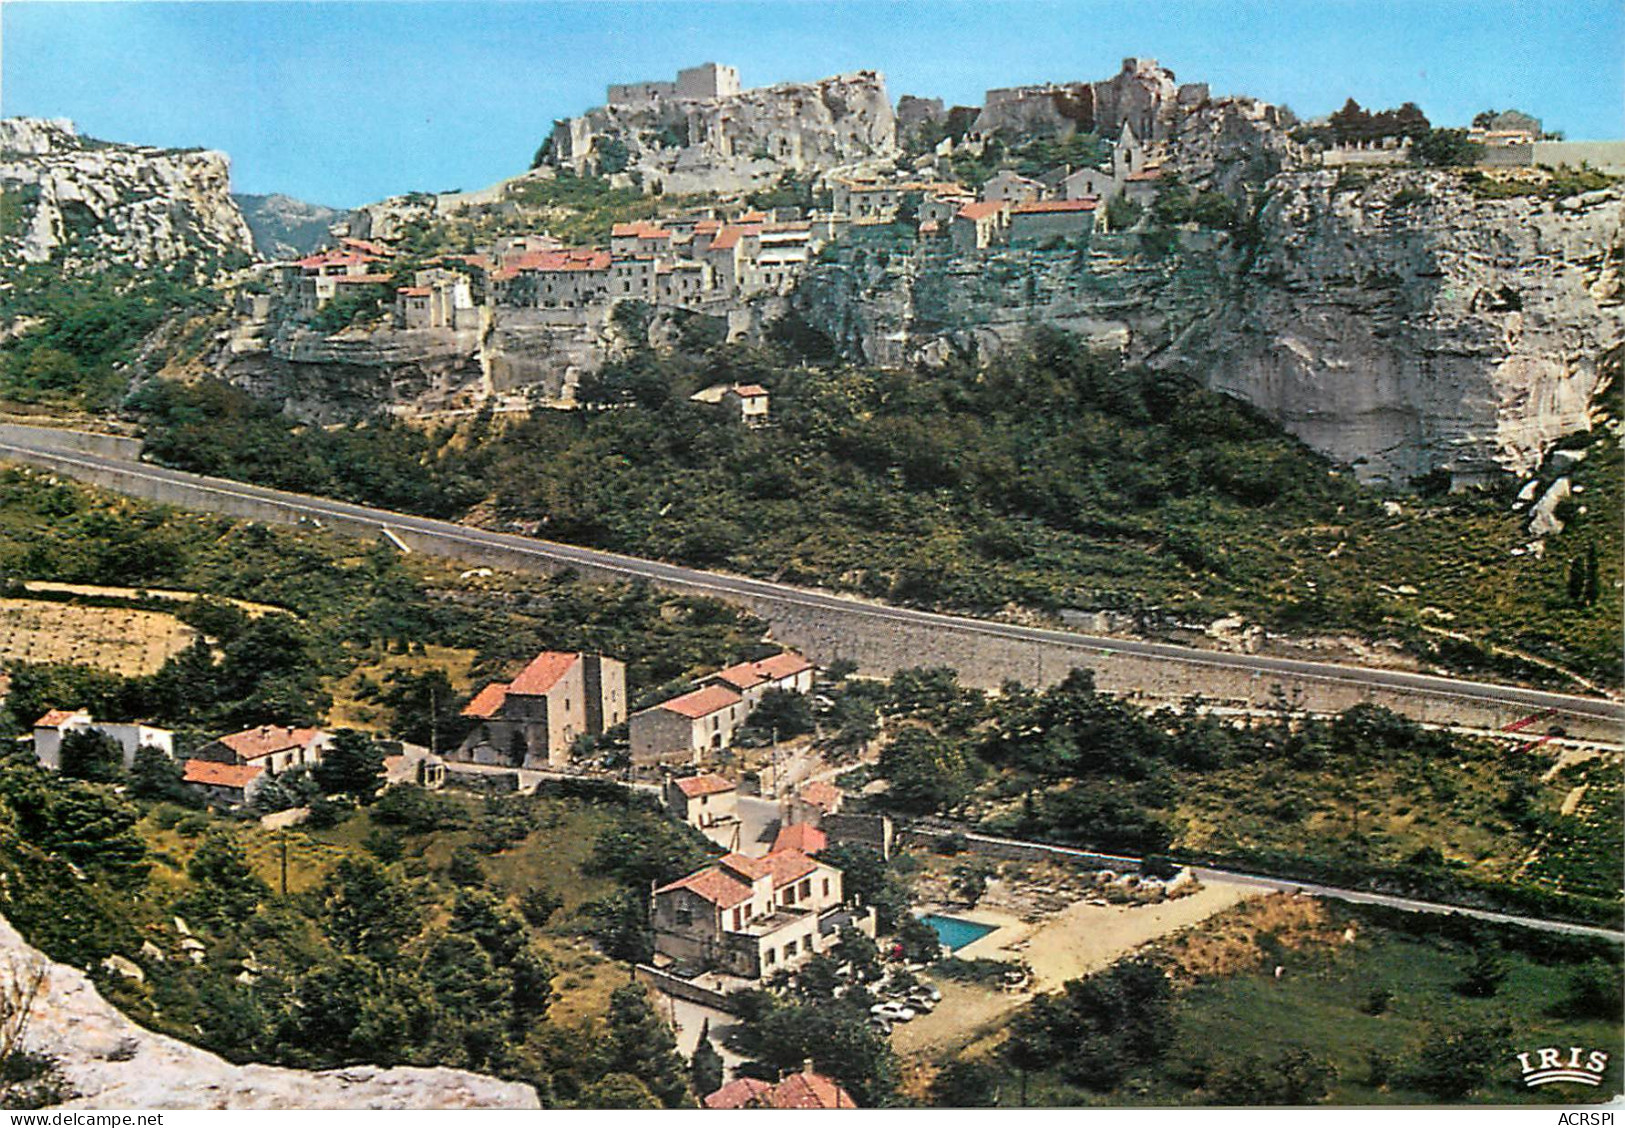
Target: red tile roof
(820, 794)
(713, 885)
(336, 258)
(801, 837)
(747, 675)
(798, 1091)
(554, 262)
(210, 774)
(1145, 174)
(710, 784)
(363, 279)
(56, 718)
(746, 1092)
(415, 291)
(543, 673)
(702, 702)
(729, 236)
(487, 702)
(788, 866)
(810, 1090)
(257, 743)
(1035, 207)
(745, 866)
(980, 210)
(749, 390)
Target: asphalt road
(724, 586)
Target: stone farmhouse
(686, 727)
(683, 729)
(532, 721)
(56, 724)
(751, 917)
(231, 769)
(977, 226)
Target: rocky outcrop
(1142, 95)
(1397, 324)
(91, 204)
(109, 1062)
(286, 228)
(739, 141)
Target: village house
(786, 670)
(800, 836)
(563, 279)
(804, 1090)
(941, 207)
(702, 801)
(1042, 221)
(682, 729)
(225, 785)
(976, 227)
(56, 724)
(273, 748)
(437, 299)
(751, 917)
(532, 721)
(316, 279)
(747, 403)
(1011, 188)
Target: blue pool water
(956, 933)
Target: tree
(618, 1090)
(1596, 990)
(464, 868)
(352, 765)
(1452, 1062)
(1447, 148)
(287, 790)
(1484, 977)
(422, 705)
(488, 920)
(92, 755)
(783, 712)
(156, 777)
(927, 773)
(705, 1067)
(366, 910)
(537, 904)
(970, 881)
(229, 890)
(919, 941)
(641, 1044)
(966, 1084)
(867, 879)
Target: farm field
(121, 640)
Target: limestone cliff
(91, 204)
(111, 1063)
(735, 142)
(1397, 323)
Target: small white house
(50, 730)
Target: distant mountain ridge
(285, 227)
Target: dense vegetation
(1416, 1010)
(1367, 798)
(424, 930)
(1047, 479)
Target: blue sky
(345, 103)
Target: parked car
(929, 990)
(920, 1001)
(880, 1023)
(893, 1012)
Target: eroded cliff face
(736, 142)
(94, 204)
(1398, 324)
(111, 1063)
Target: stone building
(565, 279)
(437, 299)
(976, 227)
(683, 729)
(532, 721)
(751, 917)
(1041, 221)
(1011, 188)
(786, 670)
(274, 748)
(747, 403)
(702, 801)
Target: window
(738, 921)
(806, 943)
(790, 950)
(683, 916)
(826, 887)
(772, 957)
(806, 889)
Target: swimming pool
(956, 933)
